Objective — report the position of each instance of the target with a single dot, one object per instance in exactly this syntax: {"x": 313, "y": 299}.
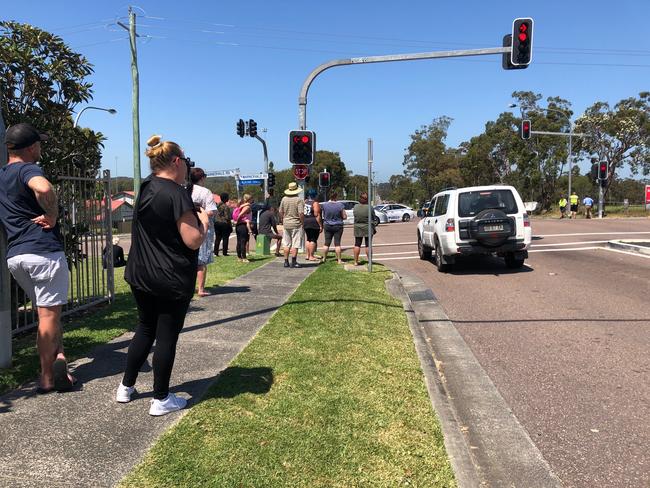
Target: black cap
{"x": 22, "y": 135}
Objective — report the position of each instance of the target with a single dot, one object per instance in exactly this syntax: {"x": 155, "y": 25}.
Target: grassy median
{"x": 99, "y": 325}
{"x": 329, "y": 394}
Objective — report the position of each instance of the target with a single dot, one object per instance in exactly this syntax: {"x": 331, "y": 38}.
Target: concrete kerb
{"x": 485, "y": 442}
{"x": 638, "y": 246}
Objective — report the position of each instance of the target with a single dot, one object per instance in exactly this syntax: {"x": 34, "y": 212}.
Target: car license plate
{"x": 493, "y": 228}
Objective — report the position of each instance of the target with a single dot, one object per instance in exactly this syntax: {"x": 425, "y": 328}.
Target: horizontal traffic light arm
{"x": 302, "y": 99}
{"x": 546, "y": 133}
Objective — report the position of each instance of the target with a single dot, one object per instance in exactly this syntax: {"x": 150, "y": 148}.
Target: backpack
{"x": 223, "y": 214}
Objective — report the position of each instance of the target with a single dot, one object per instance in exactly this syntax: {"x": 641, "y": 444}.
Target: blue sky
{"x": 207, "y": 64}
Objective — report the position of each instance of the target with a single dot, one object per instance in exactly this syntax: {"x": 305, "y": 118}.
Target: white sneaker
{"x": 123, "y": 394}
{"x": 168, "y": 405}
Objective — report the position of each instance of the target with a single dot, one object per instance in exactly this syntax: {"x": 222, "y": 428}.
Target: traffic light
{"x": 522, "y": 42}
{"x": 324, "y": 179}
{"x": 602, "y": 173}
{"x": 252, "y": 128}
{"x": 271, "y": 180}
{"x": 525, "y": 129}
{"x": 302, "y": 146}
{"x": 240, "y": 128}
{"x": 505, "y": 57}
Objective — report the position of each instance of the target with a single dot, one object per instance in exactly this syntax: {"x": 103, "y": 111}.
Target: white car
{"x": 397, "y": 212}
{"x": 349, "y": 205}
{"x": 475, "y": 220}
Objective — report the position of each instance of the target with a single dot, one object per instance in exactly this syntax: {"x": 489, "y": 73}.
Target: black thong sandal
{"x": 61, "y": 380}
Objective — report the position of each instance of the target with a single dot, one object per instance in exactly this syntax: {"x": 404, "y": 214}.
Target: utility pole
{"x": 370, "y": 206}
{"x": 266, "y": 164}
{"x": 5, "y": 280}
{"x": 136, "y": 100}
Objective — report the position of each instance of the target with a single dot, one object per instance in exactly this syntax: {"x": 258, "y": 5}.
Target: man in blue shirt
{"x": 588, "y": 203}
{"x": 35, "y": 257}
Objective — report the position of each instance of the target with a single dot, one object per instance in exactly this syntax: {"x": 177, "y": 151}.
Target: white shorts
{"x": 43, "y": 277}
{"x": 291, "y": 238}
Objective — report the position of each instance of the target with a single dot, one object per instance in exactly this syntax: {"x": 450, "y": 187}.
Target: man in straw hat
{"x": 292, "y": 209}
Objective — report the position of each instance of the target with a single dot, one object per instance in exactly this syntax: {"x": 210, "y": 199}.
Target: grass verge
{"x": 329, "y": 394}
{"x": 99, "y": 325}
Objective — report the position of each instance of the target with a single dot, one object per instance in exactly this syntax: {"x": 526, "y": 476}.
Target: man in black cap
{"x": 35, "y": 257}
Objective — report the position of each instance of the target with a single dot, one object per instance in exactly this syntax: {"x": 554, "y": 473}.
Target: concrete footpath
{"x": 84, "y": 438}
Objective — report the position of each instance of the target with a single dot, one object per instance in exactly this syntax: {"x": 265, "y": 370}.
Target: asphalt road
{"x": 565, "y": 340}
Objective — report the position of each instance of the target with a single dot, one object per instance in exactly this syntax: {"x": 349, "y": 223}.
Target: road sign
{"x": 223, "y": 172}
{"x": 300, "y": 171}
{"x": 251, "y": 182}
{"x": 647, "y": 197}
{"x": 253, "y": 176}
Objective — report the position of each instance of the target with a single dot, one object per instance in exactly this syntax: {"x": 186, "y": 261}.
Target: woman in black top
{"x": 167, "y": 233}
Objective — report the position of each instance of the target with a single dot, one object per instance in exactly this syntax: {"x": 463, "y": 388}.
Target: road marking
{"x": 627, "y": 252}
{"x": 395, "y": 259}
{"x": 570, "y": 249}
{"x": 394, "y": 253}
{"x": 395, "y": 244}
{"x": 591, "y": 234}
{"x": 569, "y": 243}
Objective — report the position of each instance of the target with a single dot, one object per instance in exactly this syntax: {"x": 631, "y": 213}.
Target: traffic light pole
{"x": 266, "y": 166}
{"x": 370, "y": 208}
{"x": 601, "y": 198}
{"x": 302, "y": 99}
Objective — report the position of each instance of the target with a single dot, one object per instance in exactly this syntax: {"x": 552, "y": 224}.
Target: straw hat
{"x": 293, "y": 189}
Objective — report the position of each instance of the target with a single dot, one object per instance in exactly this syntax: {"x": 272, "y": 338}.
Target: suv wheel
{"x": 440, "y": 264}
{"x": 406, "y": 217}
{"x": 423, "y": 250}
{"x": 492, "y": 227}
{"x": 513, "y": 262}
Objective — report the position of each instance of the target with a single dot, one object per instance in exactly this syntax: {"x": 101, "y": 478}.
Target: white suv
{"x": 475, "y": 220}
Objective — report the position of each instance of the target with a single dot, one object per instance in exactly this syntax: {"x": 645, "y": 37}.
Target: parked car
{"x": 348, "y": 205}
{"x": 475, "y": 220}
{"x": 397, "y": 212}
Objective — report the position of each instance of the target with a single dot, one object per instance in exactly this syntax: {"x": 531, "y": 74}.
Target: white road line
{"x": 592, "y": 234}
{"x": 395, "y": 259}
{"x": 569, "y": 243}
{"x": 570, "y": 249}
{"x": 627, "y": 252}
{"x": 395, "y": 244}
{"x": 393, "y": 253}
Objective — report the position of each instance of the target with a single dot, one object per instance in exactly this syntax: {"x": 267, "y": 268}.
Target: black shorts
{"x": 312, "y": 235}
{"x": 333, "y": 232}
{"x": 574, "y": 208}
{"x": 359, "y": 240}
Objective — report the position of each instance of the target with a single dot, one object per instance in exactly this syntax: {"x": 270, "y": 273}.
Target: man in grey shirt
{"x": 292, "y": 209}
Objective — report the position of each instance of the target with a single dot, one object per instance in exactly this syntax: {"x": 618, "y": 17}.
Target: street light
{"x": 568, "y": 117}
{"x": 111, "y": 111}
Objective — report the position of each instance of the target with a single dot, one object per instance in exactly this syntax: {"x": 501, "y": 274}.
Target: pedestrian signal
{"x": 324, "y": 179}
{"x": 525, "y": 129}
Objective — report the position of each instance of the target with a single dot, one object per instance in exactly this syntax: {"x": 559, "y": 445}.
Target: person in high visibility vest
{"x": 573, "y": 199}
{"x": 562, "y": 203}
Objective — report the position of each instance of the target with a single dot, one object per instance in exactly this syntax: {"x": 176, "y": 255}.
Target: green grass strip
{"x": 329, "y": 394}
{"x": 97, "y": 326}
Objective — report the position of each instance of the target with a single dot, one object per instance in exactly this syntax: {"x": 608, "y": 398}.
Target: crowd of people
{"x": 175, "y": 235}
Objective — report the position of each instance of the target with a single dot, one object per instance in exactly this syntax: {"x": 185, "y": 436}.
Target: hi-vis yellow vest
{"x": 574, "y": 199}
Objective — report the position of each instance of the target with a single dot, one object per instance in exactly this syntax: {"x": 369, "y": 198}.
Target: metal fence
{"x": 85, "y": 221}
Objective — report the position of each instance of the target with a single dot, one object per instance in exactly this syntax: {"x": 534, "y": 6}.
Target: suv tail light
{"x": 449, "y": 225}
{"x": 526, "y": 220}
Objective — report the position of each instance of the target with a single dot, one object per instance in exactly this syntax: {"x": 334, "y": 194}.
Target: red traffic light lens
{"x": 305, "y": 139}
{"x": 526, "y": 126}
{"x": 523, "y": 27}
{"x": 523, "y": 37}
{"x": 603, "y": 167}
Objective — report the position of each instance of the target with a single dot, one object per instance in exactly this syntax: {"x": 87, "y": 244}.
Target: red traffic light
{"x": 603, "y": 167}
{"x": 523, "y": 27}
{"x": 523, "y": 37}
{"x": 305, "y": 139}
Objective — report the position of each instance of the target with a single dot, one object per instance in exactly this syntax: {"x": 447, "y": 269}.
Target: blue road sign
{"x": 250, "y": 182}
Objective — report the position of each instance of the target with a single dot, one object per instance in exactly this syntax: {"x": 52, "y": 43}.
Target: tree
{"x": 618, "y": 136}
{"x": 41, "y": 81}
{"x": 427, "y": 159}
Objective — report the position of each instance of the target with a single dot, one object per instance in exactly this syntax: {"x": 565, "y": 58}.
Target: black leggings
{"x": 242, "y": 240}
{"x": 359, "y": 240}
{"x": 222, "y": 231}
{"x": 162, "y": 321}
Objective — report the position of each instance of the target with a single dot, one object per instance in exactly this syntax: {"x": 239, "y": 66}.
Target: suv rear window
{"x": 472, "y": 202}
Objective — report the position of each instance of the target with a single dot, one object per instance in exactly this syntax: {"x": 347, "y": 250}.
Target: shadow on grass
{"x": 235, "y": 380}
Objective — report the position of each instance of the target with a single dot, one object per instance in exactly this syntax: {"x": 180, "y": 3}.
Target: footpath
{"x": 84, "y": 438}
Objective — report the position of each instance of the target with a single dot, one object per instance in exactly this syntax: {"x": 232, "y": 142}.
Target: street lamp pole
{"x": 111, "y": 111}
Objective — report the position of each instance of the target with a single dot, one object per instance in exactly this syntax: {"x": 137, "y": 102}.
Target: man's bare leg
{"x": 49, "y": 342}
